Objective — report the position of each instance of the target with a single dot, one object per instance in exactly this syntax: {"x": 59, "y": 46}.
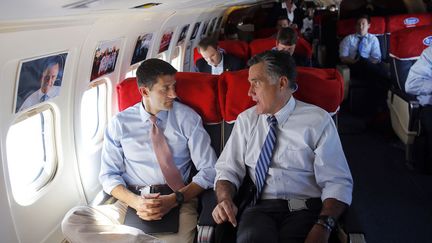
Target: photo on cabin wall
{"x": 195, "y": 30}
{"x": 141, "y": 48}
{"x": 39, "y": 80}
{"x": 182, "y": 35}
{"x": 165, "y": 40}
{"x": 105, "y": 58}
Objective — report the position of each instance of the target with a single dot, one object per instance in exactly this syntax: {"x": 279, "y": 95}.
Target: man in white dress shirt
{"x": 47, "y": 89}
{"x": 307, "y": 184}
{"x": 419, "y": 83}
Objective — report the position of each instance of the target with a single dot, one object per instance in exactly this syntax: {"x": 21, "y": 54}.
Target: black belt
{"x": 293, "y": 204}
{"x": 162, "y": 189}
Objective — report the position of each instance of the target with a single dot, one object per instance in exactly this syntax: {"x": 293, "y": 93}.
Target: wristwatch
{"x": 179, "y": 198}
{"x": 326, "y": 221}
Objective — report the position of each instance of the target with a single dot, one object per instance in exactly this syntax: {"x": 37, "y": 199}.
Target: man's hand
{"x": 154, "y": 206}
{"x": 318, "y": 234}
{"x": 226, "y": 210}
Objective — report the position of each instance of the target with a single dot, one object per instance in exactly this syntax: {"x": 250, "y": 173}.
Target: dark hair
{"x": 149, "y": 70}
{"x": 277, "y": 64}
{"x": 364, "y": 16}
{"x": 287, "y": 36}
{"x": 283, "y": 17}
{"x": 206, "y": 42}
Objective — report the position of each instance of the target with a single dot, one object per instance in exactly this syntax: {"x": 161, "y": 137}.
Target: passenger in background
{"x": 150, "y": 145}
{"x": 286, "y": 40}
{"x": 419, "y": 83}
{"x": 361, "y": 52}
{"x": 47, "y": 89}
{"x": 231, "y": 32}
{"x": 307, "y": 29}
{"x": 215, "y": 60}
{"x": 283, "y": 22}
{"x": 302, "y": 179}
{"x": 294, "y": 14}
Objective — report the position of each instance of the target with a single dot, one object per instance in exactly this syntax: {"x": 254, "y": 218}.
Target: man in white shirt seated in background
{"x": 149, "y": 146}
{"x": 214, "y": 60}
{"x": 419, "y": 83}
{"x": 292, "y": 153}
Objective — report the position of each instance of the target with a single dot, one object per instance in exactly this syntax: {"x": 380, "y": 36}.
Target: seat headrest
{"x": 403, "y": 21}
{"x": 348, "y": 26}
{"x": 233, "y": 94}
{"x": 127, "y": 93}
{"x": 197, "y": 90}
{"x": 200, "y": 92}
{"x": 409, "y": 43}
{"x": 321, "y": 87}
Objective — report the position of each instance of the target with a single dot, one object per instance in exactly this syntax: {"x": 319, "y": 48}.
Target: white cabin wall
{"x": 34, "y": 222}
{"x": 76, "y": 179}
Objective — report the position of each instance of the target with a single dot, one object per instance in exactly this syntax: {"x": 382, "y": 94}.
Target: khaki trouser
{"x": 103, "y": 224}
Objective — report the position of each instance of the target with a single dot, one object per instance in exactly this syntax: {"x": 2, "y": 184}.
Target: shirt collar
{"x": 220, "y": 65}
{"x": 145, "y": 116}
{"x": 283, "y": 114}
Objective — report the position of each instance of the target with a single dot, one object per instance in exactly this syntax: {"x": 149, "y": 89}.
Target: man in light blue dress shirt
{"x": 361, "y": 51}
{"x": 308, "y": 184}
{"x": 128, "y": 161}
{"x": 419, "y": 83}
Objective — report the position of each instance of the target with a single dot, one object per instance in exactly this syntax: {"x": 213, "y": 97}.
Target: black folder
{"x": 168, "y": 224}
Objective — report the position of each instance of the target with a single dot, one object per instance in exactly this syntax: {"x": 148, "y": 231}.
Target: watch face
{"x": 329, "y": 220}
{"x": 179, "y": 197}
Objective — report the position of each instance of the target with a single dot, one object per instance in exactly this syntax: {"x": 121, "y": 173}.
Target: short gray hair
{"x": 277, "y": 64}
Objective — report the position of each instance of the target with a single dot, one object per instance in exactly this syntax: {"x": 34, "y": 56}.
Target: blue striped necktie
{"x": 265, "y": 157}
{"x": 360, "y": 46}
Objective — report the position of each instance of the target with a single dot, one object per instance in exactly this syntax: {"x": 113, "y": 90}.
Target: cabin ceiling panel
{"x": 30, "y": 9}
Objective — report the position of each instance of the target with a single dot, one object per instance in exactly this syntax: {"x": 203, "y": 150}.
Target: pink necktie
{"x": 165, "y": 158}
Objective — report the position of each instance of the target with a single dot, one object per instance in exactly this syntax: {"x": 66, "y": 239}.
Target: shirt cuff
{"x": 110, "y": 185}
{"x": 204, "y": 178}
{"x": 227, "y": 177}
{"x": 340, "y": 192}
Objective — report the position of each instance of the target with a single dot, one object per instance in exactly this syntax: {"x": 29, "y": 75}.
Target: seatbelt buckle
{"x": 296, "y": 204}
{"x": 145, "y": 190}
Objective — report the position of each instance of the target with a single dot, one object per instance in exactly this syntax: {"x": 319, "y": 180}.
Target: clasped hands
{"x": 154, "y": 206}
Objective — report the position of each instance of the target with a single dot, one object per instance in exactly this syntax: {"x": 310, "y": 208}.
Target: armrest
{"x": 345, "y": 72}
{"x": 350, "y": 228}
{"x": 207, "y": 203}
{"x": 413, "y": 107}
{"x": 103, "y": 198}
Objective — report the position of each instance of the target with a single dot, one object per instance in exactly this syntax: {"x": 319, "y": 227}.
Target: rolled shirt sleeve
{"x": 231, "y": 163}
{"x": 112, "y": 164}
{"x": 332, "y": 173}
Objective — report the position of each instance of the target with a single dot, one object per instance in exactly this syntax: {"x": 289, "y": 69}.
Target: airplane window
{"x": 131, "y": 73}
{"x": 176, "y": 58}
{"x": 162, "y": 56}
{"x": 94, "y": 112}
{"x": 31, "y": 155}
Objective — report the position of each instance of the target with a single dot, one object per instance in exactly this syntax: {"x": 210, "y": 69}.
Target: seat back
{"x": 378, "y": 27}
{"x": 303, "y": 48}
{"x": 403, "y": 21}
{"x": 264, "y": 33}
{"x": 320, "y": 87}
{"x": 406, "y": 46}
{"x": 236, "y": 48}
{"x": 127, "y": 93}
